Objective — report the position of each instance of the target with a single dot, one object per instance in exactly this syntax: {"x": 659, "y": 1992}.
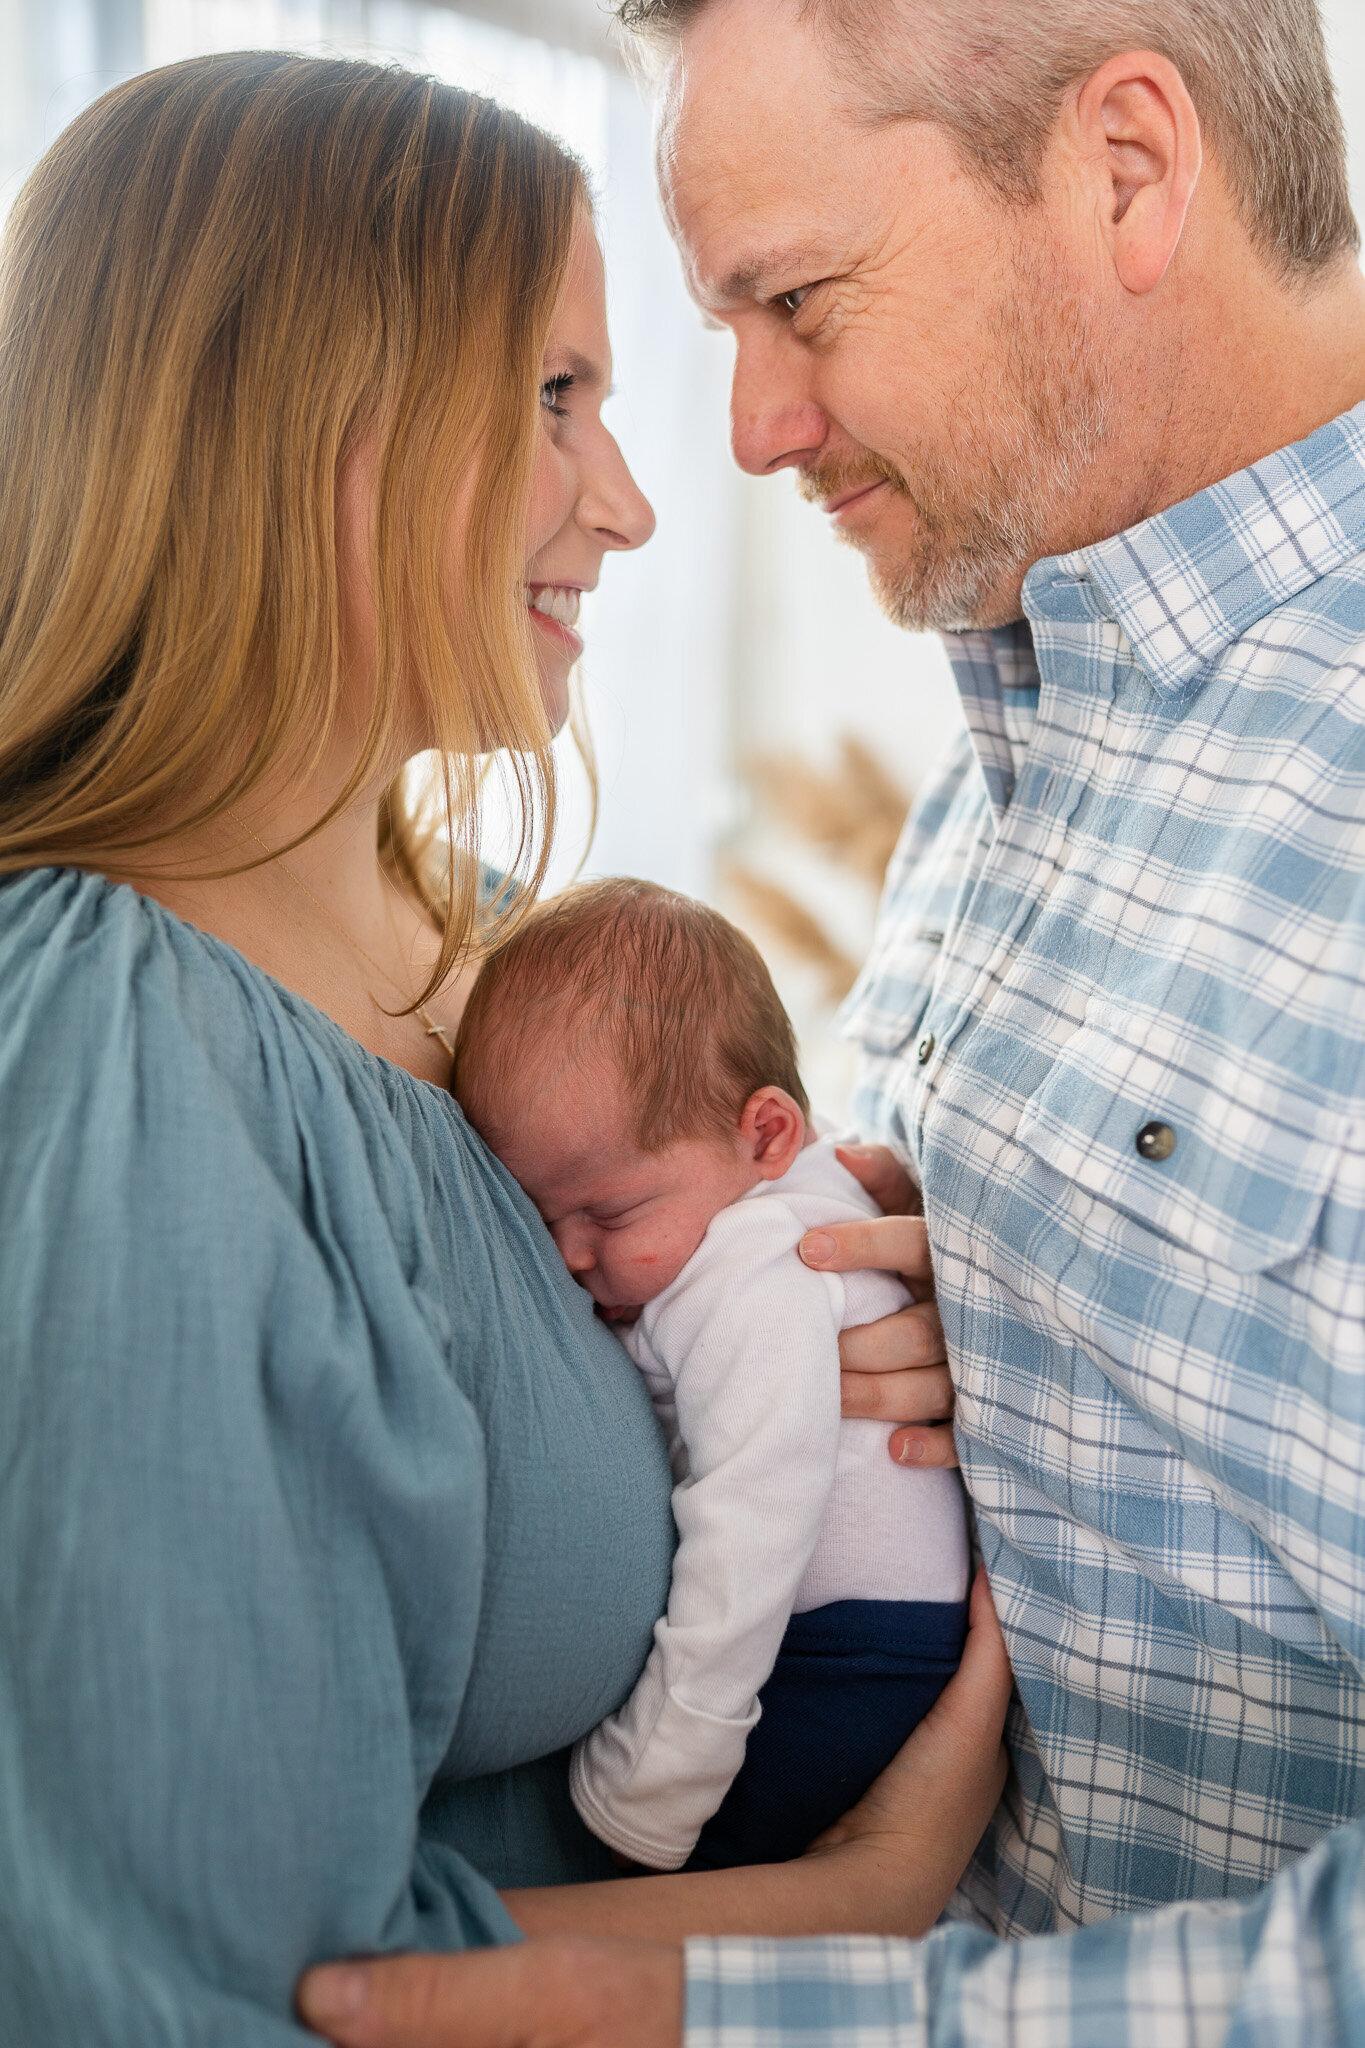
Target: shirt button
{"x": 925, "y": 1050}
{"x": 1155, "y": 1141}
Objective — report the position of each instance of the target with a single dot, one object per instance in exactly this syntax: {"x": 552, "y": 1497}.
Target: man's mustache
{"x": 818, "y": 481}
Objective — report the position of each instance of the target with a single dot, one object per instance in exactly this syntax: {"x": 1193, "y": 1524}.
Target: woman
{"x": 329, "y": 1515}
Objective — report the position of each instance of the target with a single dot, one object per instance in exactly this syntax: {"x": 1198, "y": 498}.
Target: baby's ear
{"x": 773, "y": 1128}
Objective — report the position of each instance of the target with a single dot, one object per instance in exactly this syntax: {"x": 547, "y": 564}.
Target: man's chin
{"x": 947, "y": 598}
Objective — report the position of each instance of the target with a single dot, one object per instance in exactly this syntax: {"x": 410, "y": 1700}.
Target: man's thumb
{"x": 410, "y": 2001}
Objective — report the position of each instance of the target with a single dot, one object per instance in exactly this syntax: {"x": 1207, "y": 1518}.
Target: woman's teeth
{"x": 556, "y": 602}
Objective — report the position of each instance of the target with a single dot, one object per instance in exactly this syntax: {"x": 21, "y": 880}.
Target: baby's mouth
{"x": 618, "y": 1312}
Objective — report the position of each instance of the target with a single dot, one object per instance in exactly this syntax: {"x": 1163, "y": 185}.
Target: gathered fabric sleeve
{"x": 750, "y": 1340}
{"x": 1284, "y": 1968}
{"x": 241, "y": 1547}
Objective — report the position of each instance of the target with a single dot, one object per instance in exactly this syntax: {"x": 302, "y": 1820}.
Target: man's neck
{"x": 1260, "y": 370}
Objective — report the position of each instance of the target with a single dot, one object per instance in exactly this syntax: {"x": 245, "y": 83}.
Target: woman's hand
{"x": 916, "y": 1826}
{"x": 895, "y": 1370}
{"x": 889, "y": 1867}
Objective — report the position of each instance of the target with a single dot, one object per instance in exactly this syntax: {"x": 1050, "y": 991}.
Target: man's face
{"x": 931, "y": 361}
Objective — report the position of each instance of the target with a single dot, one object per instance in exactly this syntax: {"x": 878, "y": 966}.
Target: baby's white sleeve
{"x": 751, "y": 1338}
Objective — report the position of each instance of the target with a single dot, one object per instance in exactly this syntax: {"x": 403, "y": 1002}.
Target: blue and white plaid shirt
{"x": 1115, "y": 1015}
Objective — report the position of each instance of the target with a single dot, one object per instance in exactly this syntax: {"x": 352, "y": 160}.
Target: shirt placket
{"x": 1079, "y": 648}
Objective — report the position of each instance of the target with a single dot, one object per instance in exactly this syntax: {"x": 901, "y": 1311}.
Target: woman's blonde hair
{"x": 218, "y": 280}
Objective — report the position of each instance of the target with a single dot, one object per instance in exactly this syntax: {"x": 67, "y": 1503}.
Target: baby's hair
{"x": 675, "y": 997}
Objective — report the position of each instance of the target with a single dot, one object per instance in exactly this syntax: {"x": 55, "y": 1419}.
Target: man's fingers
{"x": 892, "y": 1244}
{"x": 911, "y": 1338}
{"x": 921, "y": 1449}
{"x": 563, "y": 1991}
{"x": 877, "y": 1168}
{"x": 922, "y": 1396}
{"x": 418, "y": 2001}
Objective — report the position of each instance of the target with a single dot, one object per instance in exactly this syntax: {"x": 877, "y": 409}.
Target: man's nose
{"x": 774, "y": 424}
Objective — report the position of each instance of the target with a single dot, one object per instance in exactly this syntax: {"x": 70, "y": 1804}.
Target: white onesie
{"x": 781, "y": 1507}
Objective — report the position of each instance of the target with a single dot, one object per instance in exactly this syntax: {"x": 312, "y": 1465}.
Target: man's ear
{"x": 773, "y": 1127}
{"x": 1138, "y": 129}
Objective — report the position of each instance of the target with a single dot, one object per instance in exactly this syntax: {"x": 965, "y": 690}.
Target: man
{"x": 1054, "y": 308}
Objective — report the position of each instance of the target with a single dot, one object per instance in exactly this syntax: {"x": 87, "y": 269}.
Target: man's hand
{"x": 895, "y": 1370}
{"x": 563, "y": 1991}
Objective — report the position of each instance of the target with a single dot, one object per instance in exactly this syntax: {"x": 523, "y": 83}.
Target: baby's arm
{"x": 751, "y": 1337}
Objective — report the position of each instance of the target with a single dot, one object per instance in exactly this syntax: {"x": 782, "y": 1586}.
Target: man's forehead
{"x": 749, "y": 180}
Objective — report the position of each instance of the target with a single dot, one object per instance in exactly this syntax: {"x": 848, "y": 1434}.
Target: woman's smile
{"x": 554, "y": 608}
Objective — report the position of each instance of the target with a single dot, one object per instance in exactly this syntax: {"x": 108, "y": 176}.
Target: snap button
{"x": 925, "y": 1050}
{"x": 1155, "y": 1141}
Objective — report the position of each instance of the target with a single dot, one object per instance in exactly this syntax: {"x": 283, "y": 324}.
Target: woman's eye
{"x": 552, "y": 390}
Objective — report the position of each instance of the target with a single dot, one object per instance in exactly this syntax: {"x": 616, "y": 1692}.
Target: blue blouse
{"x": 329, "y": 1515}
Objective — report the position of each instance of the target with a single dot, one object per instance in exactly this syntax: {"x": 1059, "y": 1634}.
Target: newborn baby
{"x": 626, "y": 1057}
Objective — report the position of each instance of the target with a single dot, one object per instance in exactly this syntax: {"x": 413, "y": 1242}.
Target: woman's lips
{"x": 554, "y": 608}
{"x": 563, "y": 636}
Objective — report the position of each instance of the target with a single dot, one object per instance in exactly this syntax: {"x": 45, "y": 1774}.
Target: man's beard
{"x": 994, "y": 498}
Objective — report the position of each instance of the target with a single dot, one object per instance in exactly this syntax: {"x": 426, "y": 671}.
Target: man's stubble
{"x": 1000, "y": 490}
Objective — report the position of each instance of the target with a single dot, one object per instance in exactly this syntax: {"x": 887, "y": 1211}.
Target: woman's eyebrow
{"x": 583, "y": 370}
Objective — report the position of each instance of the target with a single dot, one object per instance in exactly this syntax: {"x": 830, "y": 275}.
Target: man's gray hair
{"x": 995, "y": 74}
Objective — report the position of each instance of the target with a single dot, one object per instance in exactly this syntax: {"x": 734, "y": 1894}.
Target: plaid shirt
{"x": 1113, "y": 1016}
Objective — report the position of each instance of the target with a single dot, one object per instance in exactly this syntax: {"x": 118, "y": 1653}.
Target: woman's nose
{"x": 615, "y": 510}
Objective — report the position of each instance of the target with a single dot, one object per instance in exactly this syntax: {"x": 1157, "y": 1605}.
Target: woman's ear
{"x": 1139, "y": 130}
{"x": 772, "y": 1128}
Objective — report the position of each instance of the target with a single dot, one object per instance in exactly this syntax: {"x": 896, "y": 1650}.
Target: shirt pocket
{"x": 888, "y": 1001}
{"x": 1254, "y": 1154}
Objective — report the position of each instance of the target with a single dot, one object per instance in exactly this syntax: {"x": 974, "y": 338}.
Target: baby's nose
{"x": 576, "y": 1253}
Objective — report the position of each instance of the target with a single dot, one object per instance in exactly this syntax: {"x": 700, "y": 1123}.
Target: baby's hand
{"x": 895, "y": 1370}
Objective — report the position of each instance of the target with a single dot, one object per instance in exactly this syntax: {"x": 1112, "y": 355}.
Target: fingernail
{"x": 334, "y": 1993}
{"x": 816, "y": 1248}
{"x": 911, "y": 1451}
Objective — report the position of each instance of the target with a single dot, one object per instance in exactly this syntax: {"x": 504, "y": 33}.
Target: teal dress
{"x": 329, "y": 1516}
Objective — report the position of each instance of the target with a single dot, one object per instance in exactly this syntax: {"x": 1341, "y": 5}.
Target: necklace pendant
{"x": 436, "y": 1031}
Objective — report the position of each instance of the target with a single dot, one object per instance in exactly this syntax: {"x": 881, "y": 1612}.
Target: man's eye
{"x": 796, "y": 298}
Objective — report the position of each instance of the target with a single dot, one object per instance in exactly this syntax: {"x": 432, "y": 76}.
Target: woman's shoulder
{"x": 128, "y": 1032}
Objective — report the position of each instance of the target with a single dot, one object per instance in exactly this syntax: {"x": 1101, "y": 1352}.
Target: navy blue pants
{"x": 850, "y": 1682}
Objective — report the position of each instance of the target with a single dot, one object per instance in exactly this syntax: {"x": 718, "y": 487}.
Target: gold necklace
{"x": 433, "y": 1030}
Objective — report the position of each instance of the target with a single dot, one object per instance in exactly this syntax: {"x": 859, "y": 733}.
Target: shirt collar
{"x": 1188, "y": 583}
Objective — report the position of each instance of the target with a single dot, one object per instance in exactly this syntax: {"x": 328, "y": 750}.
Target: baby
{"x": 628, "y": 1060}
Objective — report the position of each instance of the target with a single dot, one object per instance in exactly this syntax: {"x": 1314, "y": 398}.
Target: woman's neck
{"x": 323, "y": 918}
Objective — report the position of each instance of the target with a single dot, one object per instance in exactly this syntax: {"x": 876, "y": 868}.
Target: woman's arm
{"x": 238, "y": 1523}
{"x": 890, "y": 1865}
{"x": 887, "y": 1868}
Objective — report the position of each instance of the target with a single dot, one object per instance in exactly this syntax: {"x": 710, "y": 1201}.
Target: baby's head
{"x": 627, "y": 1058}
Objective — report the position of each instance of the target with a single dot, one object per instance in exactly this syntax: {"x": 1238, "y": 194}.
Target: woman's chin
{"x": 554, "y": 695}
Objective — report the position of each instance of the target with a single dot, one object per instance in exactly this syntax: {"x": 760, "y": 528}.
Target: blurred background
{"x": 760, "y": 728}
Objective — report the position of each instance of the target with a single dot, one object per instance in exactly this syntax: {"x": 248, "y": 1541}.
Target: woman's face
{"x": 584, "y": 501}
